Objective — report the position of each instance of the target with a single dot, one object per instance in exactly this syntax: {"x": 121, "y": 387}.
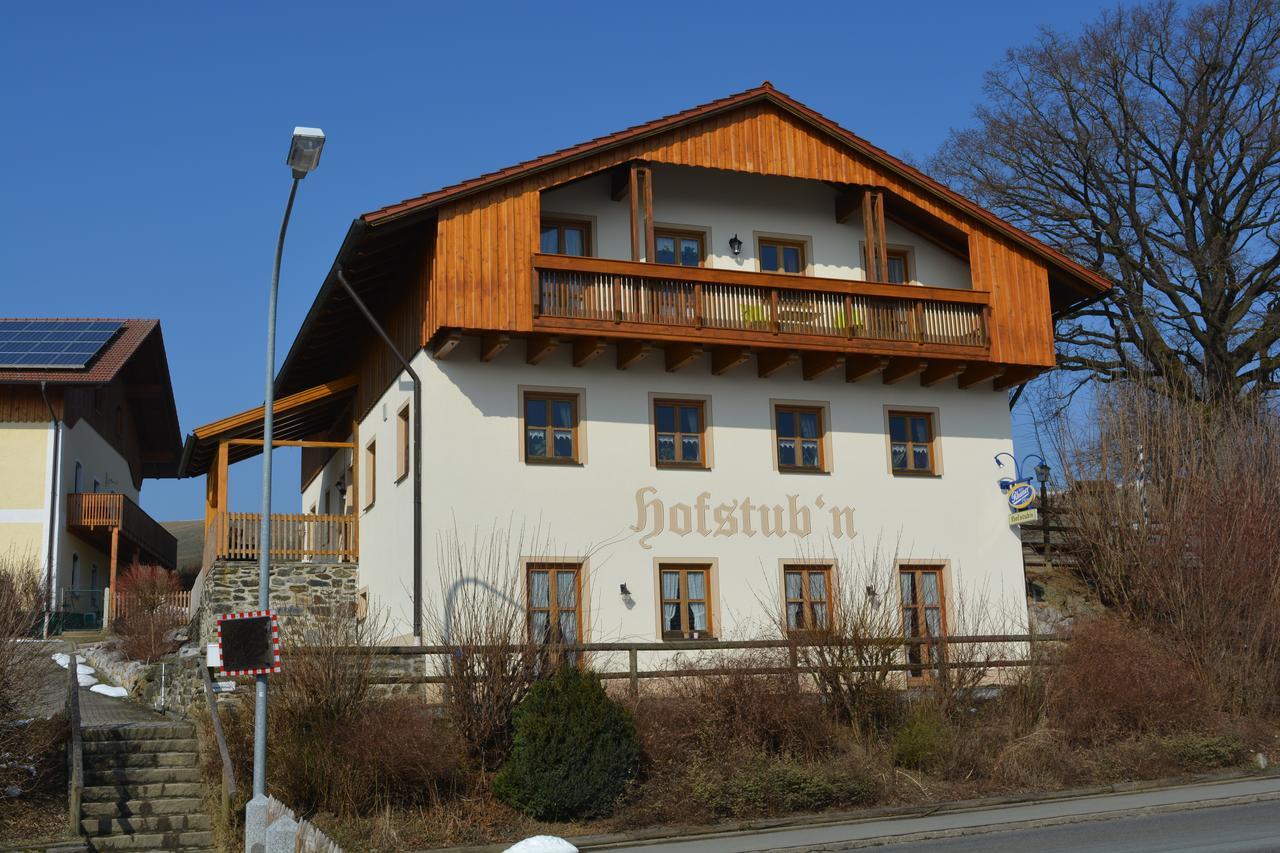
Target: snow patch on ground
{"x": 108, "y": 690}
{"x": 542, "y": 844}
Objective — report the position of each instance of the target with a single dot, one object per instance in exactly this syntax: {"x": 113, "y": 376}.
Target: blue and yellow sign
{"x": 1021, "y": 495}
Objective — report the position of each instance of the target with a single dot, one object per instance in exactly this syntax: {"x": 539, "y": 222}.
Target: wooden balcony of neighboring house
{"x": 119, "y": 527}
{"x": 737, "y": 309}
{"x": 295, "y": 537}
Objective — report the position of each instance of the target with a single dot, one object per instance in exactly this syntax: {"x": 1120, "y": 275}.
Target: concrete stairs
{"x": 143, "y": 790}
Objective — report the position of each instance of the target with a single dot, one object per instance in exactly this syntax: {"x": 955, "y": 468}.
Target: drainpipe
{"x": 417, "y": 450}
{"x": 54, "y": 472}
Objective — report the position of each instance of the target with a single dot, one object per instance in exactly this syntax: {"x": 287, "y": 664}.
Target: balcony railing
{"x": 294, "y": 537}
{"x": 106, "y": 510}
{"x": 624, "y": 292}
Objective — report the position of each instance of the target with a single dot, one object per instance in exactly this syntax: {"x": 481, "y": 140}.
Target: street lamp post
{"x": 304, "y": 156}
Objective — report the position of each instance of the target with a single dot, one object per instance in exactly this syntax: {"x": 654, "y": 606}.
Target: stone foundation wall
{"x": 300, "y": 592}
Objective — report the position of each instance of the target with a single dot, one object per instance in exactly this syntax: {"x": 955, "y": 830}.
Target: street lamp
{"x": 304, "y": 156}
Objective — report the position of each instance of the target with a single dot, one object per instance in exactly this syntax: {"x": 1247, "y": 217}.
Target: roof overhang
{"x": 296, "y": 417}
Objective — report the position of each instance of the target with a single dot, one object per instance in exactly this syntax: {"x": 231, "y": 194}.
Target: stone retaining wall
{"x": 300, "y": 593}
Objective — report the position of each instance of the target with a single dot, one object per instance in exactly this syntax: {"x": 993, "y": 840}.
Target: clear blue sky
{"x": 143, "y": 143}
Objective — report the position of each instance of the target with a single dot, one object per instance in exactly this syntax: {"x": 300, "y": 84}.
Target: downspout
{"x": 54, "y": 474}
{"x": 417, "y": 450}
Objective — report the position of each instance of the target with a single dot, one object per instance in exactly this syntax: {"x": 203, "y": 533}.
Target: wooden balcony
{"x": 628, "y": 299}
{"x": 106, "y": 518}
{"x": 295, "y": 537}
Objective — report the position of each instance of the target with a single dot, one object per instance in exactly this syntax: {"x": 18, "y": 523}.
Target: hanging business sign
{"x": 1026, "y": 516}
{"x": 1021, "y": 495}
{"x": 249, "y": 643}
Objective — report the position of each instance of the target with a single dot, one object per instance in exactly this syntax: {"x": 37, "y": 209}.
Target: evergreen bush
{"x": 574, "y": 750}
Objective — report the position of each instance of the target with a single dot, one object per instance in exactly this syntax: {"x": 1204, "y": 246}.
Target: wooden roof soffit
{"x": 902, "y": 368}
{"x": 978, "y": 372}
{"x": 254, "y": 416}
{"x": 937, "y": 371}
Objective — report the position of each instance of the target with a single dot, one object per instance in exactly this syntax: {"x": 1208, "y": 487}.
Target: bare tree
{"x": 1148, "y": 149}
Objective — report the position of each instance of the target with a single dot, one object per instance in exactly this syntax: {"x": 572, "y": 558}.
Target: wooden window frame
{"x": 562, "y": 222}
{"x": 922, "y": 671}
{"x": 780, "y": 243}
{"x": 681, "y": 234}
{"x": 404, "y": 451}
{"x": 553, "y": 607}
{"x": 823, "y": 466}
{"x": 806, "y": 600}
{"x": 370, "y": 473}
{"x": 703, "y": 461}
{"x": 905, "y": 255}
{"x": 682, "y": 602}
{"x": 930, "y": 417}
{"x": 574, "y": 398}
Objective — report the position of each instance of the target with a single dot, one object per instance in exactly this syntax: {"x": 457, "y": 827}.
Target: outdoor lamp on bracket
{"x": 735, "y": 245}
{"x": 1042, "y": 472}
{"x": 304, "y": 150}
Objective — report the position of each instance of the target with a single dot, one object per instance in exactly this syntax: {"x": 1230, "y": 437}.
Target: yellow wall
{"x": 24, "y": 462}
{"x": 21, "y": 543}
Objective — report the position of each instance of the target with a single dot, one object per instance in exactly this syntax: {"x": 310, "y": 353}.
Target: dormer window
{"x": 565, "y": 237}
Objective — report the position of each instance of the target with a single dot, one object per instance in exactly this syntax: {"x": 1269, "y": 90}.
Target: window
{"x": 799, "y": 438}
{"x": 555, "y": 604}
{"x": 76, "y": 477}
{"x": 679, "y": 428}
{"x": 370, "y": 473}
{"x": 550, "y": 428}
{"x": 97, "y": 486}
{"x": 678, "y": 247}
{"x": 781, "y": 256}
{"x": 899, "y": 271}
{"x": 922, "y": 615}
{"x": 402, "y": 443}
{"x": 808, "y": 594}
{"x": 75, "y": 571}
{"x": 686, "y": 605}
{"x": 911, "y": 443}
{"x": 565, "y": 237}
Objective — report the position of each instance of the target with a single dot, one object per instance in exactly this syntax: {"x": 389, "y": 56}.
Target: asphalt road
{"x": 1225, "y": 817}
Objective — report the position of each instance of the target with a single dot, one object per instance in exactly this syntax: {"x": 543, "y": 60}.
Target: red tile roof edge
{"x": 765, "y": 91}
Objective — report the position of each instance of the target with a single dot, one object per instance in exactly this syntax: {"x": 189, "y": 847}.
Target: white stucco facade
{"x": 722, "y": 204}
{"x": 623, "y": 516}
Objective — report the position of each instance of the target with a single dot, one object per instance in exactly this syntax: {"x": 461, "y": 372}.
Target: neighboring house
{"x": 86, "y": 414}
{"x": 706, "y": 358}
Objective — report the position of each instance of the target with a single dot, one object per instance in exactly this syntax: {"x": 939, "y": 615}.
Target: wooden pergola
{"x": 212, "y": 449}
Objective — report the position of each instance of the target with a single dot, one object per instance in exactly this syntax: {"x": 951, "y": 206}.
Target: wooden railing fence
{"x": 294, "y": 536}
{"x": 623, "y": 292}
{"x": 228, "y": 792}
{"x": 112, "y": 509}
{"x": 125, "y": 604}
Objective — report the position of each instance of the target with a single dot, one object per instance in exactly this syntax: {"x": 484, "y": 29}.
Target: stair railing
{"x": 75, "y": 748}
{"x": 228, "y": 771}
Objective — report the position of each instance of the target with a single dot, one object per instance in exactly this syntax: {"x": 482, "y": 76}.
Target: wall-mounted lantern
{"x": 735, "y": 245}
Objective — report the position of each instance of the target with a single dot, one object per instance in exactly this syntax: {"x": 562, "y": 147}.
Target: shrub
{"x": 1199, "y": 752}
{"x": 573, "y": 753}
{"x": 919, "y": 742}
{"x": 1116, "y": 679}
{"x": 145, "y": 633}
{"x": 753, "y": 784}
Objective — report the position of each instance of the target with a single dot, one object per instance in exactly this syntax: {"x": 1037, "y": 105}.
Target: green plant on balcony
{"x": 755, "y": 317}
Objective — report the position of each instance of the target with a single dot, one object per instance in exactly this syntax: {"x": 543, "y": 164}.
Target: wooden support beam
{"x": 586, "y": 349}
{"x": 680, "y": 355}
{"x": 847, "y": 202}
{"x": 620, "y": 182}
{"x": 814, "y": 364}
{"x": 538, "y": 347}
{"x": 937, "y": 371}
{"x": 978, "y": 372}
{"x": 861, "y": 366}
{"x": 724, "y": 359}
{"x": 445, "y": 344}
{"x": 770, "y": 361}
{"x": 902, "y": 368}
{"x": 492, "y": 343}
{"x": 632, "y": 352}
{"x": 1016, "y": 376}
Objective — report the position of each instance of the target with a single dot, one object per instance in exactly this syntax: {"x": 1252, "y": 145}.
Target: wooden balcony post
{"x": 918, "y": 313}
{"x": 115, "y": 558}
{"x": 848, "y": 315}
{"x": 537, "y": 293}
{"x": 773, "y": 310}
{"x": 617, "y": 299}
{"x": 697, "y": 305}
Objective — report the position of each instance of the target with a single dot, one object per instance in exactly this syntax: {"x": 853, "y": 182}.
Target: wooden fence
{"x": 175, "y": 604}
{"x": 294, "y": 536}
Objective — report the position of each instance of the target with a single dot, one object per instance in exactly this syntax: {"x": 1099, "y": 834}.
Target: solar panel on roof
{"x": 66, "y": 344}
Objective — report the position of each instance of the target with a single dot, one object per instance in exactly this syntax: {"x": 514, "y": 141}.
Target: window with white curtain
{"x": 686, "y": 602}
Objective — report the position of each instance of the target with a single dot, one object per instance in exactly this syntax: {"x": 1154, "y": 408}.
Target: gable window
{"x": 683, "y": 248}
{"x": 799, "y": 436}
{"x": 565, "y": 237}
{"x": 402, "y": 443}
{"x": 911, "y": 448}
{"x": 551, "y": 428}
{"x": 370, "y": 473}
{"x": 922, "y": 616}
{"x": 679, "y": 428}
{"x": 808, "y": 597}
{"x": 899, "y": 271}
{"x": 781, "y": 256}
{"x": 686, "y": 605}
